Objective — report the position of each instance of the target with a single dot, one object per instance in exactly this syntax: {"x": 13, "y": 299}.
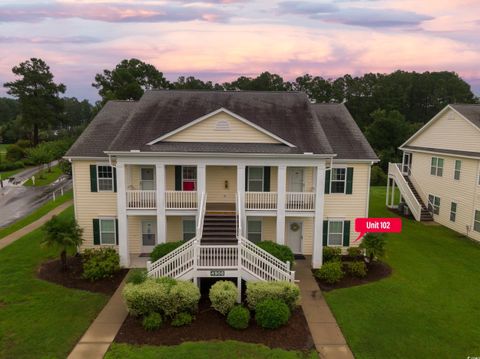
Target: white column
{"x": 282, "y": 193}
{"x": 388, "y": 192}
{"x": 161, "y": 217}
{"x": 393, "y": 193}
{"x": 201, "y": 181}
{"x": 122, "y": 216}
{"x": 318, "y": 219}
{"x": 241, "y": 190}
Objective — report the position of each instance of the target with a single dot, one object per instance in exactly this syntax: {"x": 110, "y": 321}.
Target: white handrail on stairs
{"x": 413, "y": 179}
{"x": 412, "y": 202}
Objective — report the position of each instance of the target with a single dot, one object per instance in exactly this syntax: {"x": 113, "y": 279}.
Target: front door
{"x": 147, "y": 179}
{"x": 407, "y": 163}
{"x": 295, "y": 236}
{"x": 149, "y": 235}
{"x": 295, "y": 179}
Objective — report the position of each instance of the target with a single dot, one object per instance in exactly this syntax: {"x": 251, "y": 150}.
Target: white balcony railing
{"x": 261, "y": 200}
{"x": 181, "y": 200}
{"x": 300, "y": 201}
{"x": 138, "y": 199}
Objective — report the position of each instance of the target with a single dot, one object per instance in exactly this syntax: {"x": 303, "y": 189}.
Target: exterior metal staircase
{"x": 425, "y": 214}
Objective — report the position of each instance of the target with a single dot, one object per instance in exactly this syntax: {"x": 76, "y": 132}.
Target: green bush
{"x": 330, "y": 272}
{"x": 152, "y": 321}
{"x": 165, "y": 296}
{"x": 23, "y": 143}
{"x": 100, "y": 263}
{"x": 15, "y": 153}
{"x": 9, "y": 166}
{"x": 137, "y": 276}
{"x": 374, "y": 245}
{"x": 272, "y": 314}
{"x": 238, "y": 317}
{"x": 284, "y": 253}
{"x": 331, "y": 254}
{"x": 163, "y": 249}
{"x": 287, "y": 292}
{"x": 182, "y": 319}
{"x": 356, "y": 268}
{"x": 378, "y": 177}
{"x": 223, "y": 295}
{"x": 354, "y": 251}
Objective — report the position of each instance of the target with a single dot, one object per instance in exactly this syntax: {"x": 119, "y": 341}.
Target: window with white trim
{"x": 457, "y": 170}
{"x": 338, "y": 180}
{"x": 335, "y": 233}
{"x": 254, "y": 230}
{"x": 255, "y": 179}
{"x": 434, "y": 204}
{"x": 453, "y": 212}
{"x": 476, "y": 222}
{"x": 189, "y": 178}
{"x": 105, "y": 178}
{"x": 436, "y": 168}
{"x": 189, "y": 228}
{"x": 148, "y": 233}
{"x": 108, "y": 233}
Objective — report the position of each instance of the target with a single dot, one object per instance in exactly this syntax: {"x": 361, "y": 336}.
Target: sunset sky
{"x": 220, "y": 40}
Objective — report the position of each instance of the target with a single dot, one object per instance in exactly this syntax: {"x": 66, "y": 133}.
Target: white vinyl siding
{"x": 105, "y": 178}
{"x": 457, "y": 170}
{"x": 338, "y": 181}
{"x": 436, "y": 168}
{"x": 335, "y": 233}
{"x": 453, "y": 212}
{"x": 107, "y": 231}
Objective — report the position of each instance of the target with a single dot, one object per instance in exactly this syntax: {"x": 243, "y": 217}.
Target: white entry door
{"x": 149, "y": 235}
{"x": 147, "y": 179}
{"x": 295, "y": 179}
{"x": 295, "y": 236}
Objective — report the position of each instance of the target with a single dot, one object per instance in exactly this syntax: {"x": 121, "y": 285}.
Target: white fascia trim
{"x": 85, "y": 158}
{"x": 208, "y": 115}
{"x": 440, "y": 154}
{"x": 355, "y": 161}
{"x": 216, "y": 154}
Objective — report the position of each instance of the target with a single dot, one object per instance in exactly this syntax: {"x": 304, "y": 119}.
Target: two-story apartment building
{"x": 219, "y": 167}
{"x": 439, "y": 177}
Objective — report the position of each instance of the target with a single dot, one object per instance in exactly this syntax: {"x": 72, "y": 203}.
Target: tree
{"x": 263, "y": 82}
{"x": 41, "y": 155}
{"x": 374, "y": 245}
{"x": 76, "y": 113}
{"x": 192, "y": 83}
{"x": 128, "y": 81}
{"x": 38, "y": 95}
{"x": 317, "y": 88}
{"x": 64, "y": 234}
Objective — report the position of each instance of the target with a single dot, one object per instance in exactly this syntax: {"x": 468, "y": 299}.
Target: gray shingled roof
{"x": 100, "y": 133}
{"x": 224, "y": 147}
{"x": 345, "y": 137}
{"x": 470, "y": 111}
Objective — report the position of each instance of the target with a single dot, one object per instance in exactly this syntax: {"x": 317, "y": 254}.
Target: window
{"x": 437, "y": 167}
{"x": 338, "y": 180}
{"x": 105, "y": 178}
{"x": 476, "y": 222}
{"x": 335, "y": 233}
{"x": 148, "y": 233}
{"x": 189, "y": 178}
{"x": 107, "y": 231}
{"x": 453, "y": 211}
{"x": 255, "y": 179}
{"x": 458, "y": 168}
{"x": 254, "y": 228}
{"x": 189, "y": 228}
{"x": 434, "y": 204}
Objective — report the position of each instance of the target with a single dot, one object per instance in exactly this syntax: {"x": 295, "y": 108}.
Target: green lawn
{"x": 3, "y": 151}
{"x": 39, "y": 319}
{"x": 428, "y": 308}
{"x": 32, "y": 217}
{"x": 204, "y": 350}
{"x": 44, "y": 177}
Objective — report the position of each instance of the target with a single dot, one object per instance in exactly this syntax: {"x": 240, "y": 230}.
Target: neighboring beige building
{"x": 439, "y": 178}
{"x": 221, "y": 168}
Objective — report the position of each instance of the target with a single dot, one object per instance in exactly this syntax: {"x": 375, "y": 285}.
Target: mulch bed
{"x": 52, "y": 271}
{"x": 211, "y": 325}
{"x": 376, "y": 271}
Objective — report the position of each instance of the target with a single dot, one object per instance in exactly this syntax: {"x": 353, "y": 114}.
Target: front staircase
{"x": 425, "y": 214}
{"x": 219, "y": 229}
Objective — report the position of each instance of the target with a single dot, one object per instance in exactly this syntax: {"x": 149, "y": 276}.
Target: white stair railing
{"x": 414, "y": 205}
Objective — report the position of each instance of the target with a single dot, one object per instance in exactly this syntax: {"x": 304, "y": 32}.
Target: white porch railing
{"x": 261, "y": 200}
{"x": 181, "y": 200}
{"x": 300, "y": 201}
{"x": 212, "y": 256}
{"x": 395, "y": 172}
{"x": 139, "y": 199}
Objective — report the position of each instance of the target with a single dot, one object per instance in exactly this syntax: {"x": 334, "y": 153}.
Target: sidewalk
{"x": 34, "y": 225}
{"x": 327, "y": 336}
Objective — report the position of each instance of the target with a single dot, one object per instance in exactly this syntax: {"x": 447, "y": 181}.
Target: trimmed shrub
{"x": 9, "y": 166}
{"x": 281, "y": 252}
{"x": 238, "y": 317}
{"x": 182, "y": 319}
{"x": 100, "y": 263}
{"x": 287, "y": 292}
{"x": 330, "y": 272}
{"x": 137, "y": 276}
{"x": 152, "y": 321}
{"x": 374, "y": 245}
{"x": 356, "y": 268}
{"x": 272, "y": 314}
{"x": 163, "y": 249}
{"x": 15, "y": 153}
{"x": 183, "y": 297}
{"x": 331, "y": 254}
{"x": 354, "y": 252}
{"x": 223, "y": 295}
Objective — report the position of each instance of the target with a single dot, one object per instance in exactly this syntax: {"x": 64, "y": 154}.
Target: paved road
{"x": 24, "y": 175}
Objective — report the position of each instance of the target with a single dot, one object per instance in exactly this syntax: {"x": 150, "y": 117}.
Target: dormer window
{"x": 222, "y": 125}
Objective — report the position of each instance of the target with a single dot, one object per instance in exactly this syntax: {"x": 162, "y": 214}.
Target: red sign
{"x": 376, "y": 225}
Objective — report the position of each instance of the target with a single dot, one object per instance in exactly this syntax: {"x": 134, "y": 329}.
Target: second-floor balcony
{"x": 147, "y": 199}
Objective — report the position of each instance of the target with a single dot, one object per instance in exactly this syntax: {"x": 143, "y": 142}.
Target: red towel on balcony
{"x": 189, "y": 185}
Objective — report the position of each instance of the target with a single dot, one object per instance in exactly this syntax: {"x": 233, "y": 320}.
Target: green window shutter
{"x": 116, "y": 231}
{"x": 346, "y": 233}
{"x": 114, "y": 179}
{"x": 246, "y": 178}
{"x": 349, "y": 180}
{"x": 325, "y": 233}
{"x": 327, "y": 181}
{"x": 93, "y": 178}
{"x": 266, "y": 179}
{"x": 96, "y": 231}
{"x": 178, "y": 178}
